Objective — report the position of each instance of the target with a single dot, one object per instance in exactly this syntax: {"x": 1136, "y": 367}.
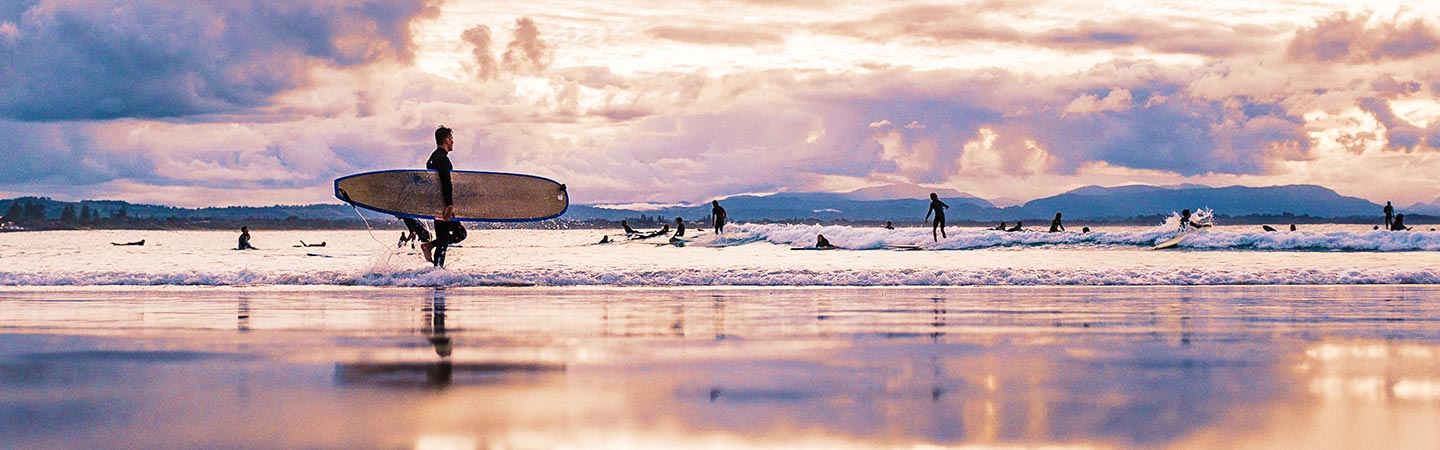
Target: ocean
{"x": 1327, "y": 337}
{"x": 746, "y": 255}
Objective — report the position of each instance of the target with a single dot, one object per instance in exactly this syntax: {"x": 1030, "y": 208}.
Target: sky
{"x": 254, "y": 102}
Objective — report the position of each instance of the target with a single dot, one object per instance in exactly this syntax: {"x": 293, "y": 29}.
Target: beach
{"x": 1325, "y": 338}
{"x": 730, "y": 367}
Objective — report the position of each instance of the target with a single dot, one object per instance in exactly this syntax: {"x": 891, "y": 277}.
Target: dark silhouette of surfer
{"x": 1292, "y": 227}
{"x": 1399, "y": 224}
{"x": 1268, "y": 229}
{"x": 244, "y": 243}
{"x": 447, "y": 230}
{"x": 679, "y": 227}
{"x": 1389, "y": 216}
{"x": 1055, "y": 225}
{"x": 1000, "y": 227}
{"x": 889, "y": 226}
{"x": 821, "y": 242}
{"x": 1185, "y": 222}
{"x": 135, "y": 243}
{"x": 303, "y": 244}
{"x": 626, "y": 226}
{"x": 1018, "y": 227}
{"x": 938, "y": 207}
{"x": 719, "y": 213}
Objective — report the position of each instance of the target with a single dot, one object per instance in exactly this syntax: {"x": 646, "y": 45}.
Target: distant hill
{"x": 1086, "y": 203}
{"x": 1090, "y": 202}
{"x": 1129, "y": 201}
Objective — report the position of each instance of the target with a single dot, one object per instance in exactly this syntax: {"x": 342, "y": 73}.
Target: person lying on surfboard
{"x": 821, "y": 242}
{"x": 626, "y": 226}
{"x": 447, "y": 230}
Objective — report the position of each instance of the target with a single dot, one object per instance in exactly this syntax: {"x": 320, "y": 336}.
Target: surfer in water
{"x": 821, "y": 242}
{"x": 938, "y": 207}
{"x": 1055, "y": 225}
{"x": 720, "y": 216}
{"x": 1389, "y": 216}
{"x": 679, "y": 227}
{"x": 1018, "y": 227}
{"x": 244, "y": 243}
{"x": 1001, "y": 227}
{"x": 447, "y": 230}
{"x": 1185, "y": 222}
{"x": 626, "y": 226}
{"x": 1399, "y": 223}
{"x": 889, "y": 226}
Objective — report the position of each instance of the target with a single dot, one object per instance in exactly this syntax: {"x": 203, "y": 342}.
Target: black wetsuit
{"x": 679, "y": 228}
{"x": 1056, "y": 227}
{"x": 446, "y": 231}
{"x": 719, "y": 213}
{"x": 1389, "y": 216}
{"x": 244, "y": 243}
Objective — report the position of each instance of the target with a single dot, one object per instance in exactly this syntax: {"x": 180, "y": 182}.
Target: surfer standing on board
{"x": 1185, "y": 222}
{"x": 719, "y": 213}
{"x": 937, "y": 207}
{"x": 447, "y": 231}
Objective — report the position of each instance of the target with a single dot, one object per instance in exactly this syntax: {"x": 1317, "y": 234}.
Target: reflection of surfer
{"x": 447, "y": 230}
{"x": 244, "y": 243}
{"x": 938, "y": 207}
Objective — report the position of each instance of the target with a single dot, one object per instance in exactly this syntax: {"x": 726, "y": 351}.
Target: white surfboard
{"x": 478, "y": 196}
{"x": 1171, "y": 242}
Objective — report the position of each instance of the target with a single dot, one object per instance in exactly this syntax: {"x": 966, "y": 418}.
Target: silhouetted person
{"x": 1017, "y": 227}
{"x": 447, "y": 230}
{"x": 679, "y": 227}
{"x": 1389, "y": 216}
{"x": 1185, "y": 222}
{"x": 1055, "y": 225}
{"x": 1399, "y": 224}
{"x": 889, "y": 226}
{"x": 821, "y": 242}
{"x": 719, "y": 213}
{"x": 938, "y": 207}
{"x": 1001, "y": 227}
{"x": 1292, "y": 227}
{"x": 244, "y": 239}
{"x": 1268, "y": 229}
{"x": 136, "y": 243}
{"x": 1084, "y": 229}
{"x": 624, "y": 225}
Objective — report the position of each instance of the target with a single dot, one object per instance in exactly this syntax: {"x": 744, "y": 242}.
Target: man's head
{"x": 443, "y": 139}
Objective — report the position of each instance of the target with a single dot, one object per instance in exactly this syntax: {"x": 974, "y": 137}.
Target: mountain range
{"x": 871, "y": 204}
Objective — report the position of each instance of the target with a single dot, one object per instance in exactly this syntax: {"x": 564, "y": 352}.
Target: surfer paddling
{"x": 447, "y": 230}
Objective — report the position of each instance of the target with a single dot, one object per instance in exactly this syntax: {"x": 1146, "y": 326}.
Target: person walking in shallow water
{"x": 447, "y": 230}
{"x": 938, "y": 207}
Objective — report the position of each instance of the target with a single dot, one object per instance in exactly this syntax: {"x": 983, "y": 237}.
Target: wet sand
{"x": 1092, "y": 367}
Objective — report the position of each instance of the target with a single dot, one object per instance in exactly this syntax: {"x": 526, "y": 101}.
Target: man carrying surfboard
{"x": 447, "y": 231}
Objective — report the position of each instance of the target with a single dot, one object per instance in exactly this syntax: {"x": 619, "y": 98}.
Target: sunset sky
{"x": 235, "y": 102}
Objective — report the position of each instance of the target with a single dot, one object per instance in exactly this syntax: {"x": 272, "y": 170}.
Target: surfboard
{"x": 1171, "y": 242}
{"x": 815, "y": 248}
{"x": 903, "y": 247}
{"x": 479, "y": 196}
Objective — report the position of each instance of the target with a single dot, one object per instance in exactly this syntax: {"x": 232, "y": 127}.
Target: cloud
{"x": 990, "y": 22}
{"x": 1117, "y": 100}
{"x": 1347, "y": 38}
{"x": 715, "y": 36}
{"x": 882, "y": 123}
{"x": 527, "y": 54}
{"x": 152, "y": 58}
{"x": 486, "y": 67}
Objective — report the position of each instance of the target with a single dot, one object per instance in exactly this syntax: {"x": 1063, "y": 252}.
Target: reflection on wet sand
{"x": 1264, "y": 367}
{"x": 442, "y": 372}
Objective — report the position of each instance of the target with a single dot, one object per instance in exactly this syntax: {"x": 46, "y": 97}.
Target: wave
{"x": 971, "y": 239}
{"x": 745, "y": 277}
